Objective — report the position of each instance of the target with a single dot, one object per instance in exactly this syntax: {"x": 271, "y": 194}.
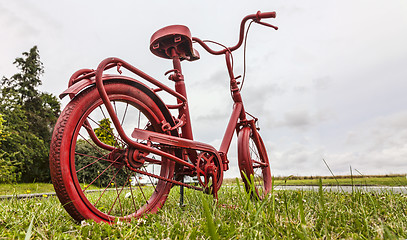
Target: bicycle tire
{"x": 253, "y": 161}
{"x": 75, "y": 159}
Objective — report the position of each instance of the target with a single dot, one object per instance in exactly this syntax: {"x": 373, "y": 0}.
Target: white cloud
{"x": 330, "y": 83}
{"x": 378, "y": 146}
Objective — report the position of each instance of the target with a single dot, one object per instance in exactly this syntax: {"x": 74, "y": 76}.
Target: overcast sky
{"x": 329, "y": 84}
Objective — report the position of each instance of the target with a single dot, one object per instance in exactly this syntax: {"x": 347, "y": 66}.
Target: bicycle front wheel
{"x": 253, "y": 161}
{"x": 95, "y": 173}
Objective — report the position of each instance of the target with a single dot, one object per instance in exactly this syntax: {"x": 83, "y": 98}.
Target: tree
{"x": 3, "y": 134}
{"x": 101, "y": 170}
{"x": 30, "y": 117}
{"x": 7, "y": 169}
{"x": 105, "y": 132}
{"x": 25, "y": 82}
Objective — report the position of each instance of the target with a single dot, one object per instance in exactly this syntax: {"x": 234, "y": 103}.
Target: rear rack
{"x": 109, "y": 63}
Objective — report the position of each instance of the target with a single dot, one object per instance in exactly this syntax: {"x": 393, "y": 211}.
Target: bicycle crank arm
{"x": 185, "y": 144}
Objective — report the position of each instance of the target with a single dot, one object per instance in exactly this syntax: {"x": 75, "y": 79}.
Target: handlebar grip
{"x": 260, "y": 15}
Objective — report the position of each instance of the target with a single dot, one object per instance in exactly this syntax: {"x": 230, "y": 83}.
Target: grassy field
{"x": 28, "y": 188}
{"x": 284, "y": 214}
{"x": 376, "y": 180}
{"x": 25, "y": 188}
{"x": 387, "y": 180}
{"x": 391, "y": 180}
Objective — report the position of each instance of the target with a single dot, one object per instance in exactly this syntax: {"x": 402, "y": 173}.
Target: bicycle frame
{"x": 237, "y": 121}
{"x": 149, "y": 141}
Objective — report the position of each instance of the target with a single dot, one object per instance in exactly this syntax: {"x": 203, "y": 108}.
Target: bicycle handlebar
{"x": 255, "y": 17}
{"x": 261, "y": 15}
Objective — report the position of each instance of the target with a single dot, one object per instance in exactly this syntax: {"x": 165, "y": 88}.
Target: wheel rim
{"x": 104, "y": 182}
{"x": 253, "y": 163}
{"x": 259, "y": 168}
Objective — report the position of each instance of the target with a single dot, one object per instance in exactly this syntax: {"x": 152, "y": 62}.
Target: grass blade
{"x": 332, "y": 175}
{"x": 351, "y": 178}
{"x": 29, "y": 230}
{"x": 301, "y": 206}
{"x": 209, "y": 220}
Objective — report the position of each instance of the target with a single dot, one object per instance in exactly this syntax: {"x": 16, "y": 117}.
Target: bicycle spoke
{"x": 152, "y": 184}
{"x": 117, "y": 137}
{"x": 107, "y": 186}
{"x": 118, "y": 195}
{"x": 253, "y": 149}
{"x": 101, "y": 173}
{"x": 132, "y": 196}
{"x": 124, "y": 114}
{"x": 115, "y": 109}
{"x": 139, "y": 117}
{"x": 103, "y": 113}
{"x": 97, "y": 160}
{"x": 141, "y": 190}
{"x": 92, "y": 145}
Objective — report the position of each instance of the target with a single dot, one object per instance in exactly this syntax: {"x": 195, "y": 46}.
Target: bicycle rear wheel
{"x": 99, "y": 178}
{"x": 253, "y": 161}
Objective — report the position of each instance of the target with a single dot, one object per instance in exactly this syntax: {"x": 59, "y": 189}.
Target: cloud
{"x": 297, "y": 119}
{"x": 381, "y": 144}
{"x": 15, "y": 24}
{"x": 324, "y": 85}
{"x": 297, "y": 159}
{"x": 377, "y": 146}
{"x": 301, "y": 119}
{"x": 382, "y": 132}
{"x": 13, "y": 28}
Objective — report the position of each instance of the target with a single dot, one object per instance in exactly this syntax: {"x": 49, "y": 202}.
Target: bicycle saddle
{"x": 174, "y": 36}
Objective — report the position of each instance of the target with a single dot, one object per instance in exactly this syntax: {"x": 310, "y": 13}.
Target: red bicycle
{"x": 117, "y": 149}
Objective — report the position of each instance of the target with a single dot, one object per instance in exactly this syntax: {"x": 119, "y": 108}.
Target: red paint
{"x": 174, "y": 141}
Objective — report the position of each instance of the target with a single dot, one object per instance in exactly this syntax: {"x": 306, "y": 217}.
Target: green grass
{"x": 283, "y": 215}
{"x": 25, "y": 188}
{"x": 364, "y": 181}
{"x": 29, "y": 188}
{"x": 386, "y": 180}
{"x": 369, "y": 180}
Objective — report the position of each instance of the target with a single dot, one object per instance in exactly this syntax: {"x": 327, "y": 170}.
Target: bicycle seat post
{"x": 178, "y": 78}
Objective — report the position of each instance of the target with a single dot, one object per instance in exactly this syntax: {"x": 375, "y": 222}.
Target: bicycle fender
{"x": 84, "y": 83}
{"x": 77, "y": 87}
